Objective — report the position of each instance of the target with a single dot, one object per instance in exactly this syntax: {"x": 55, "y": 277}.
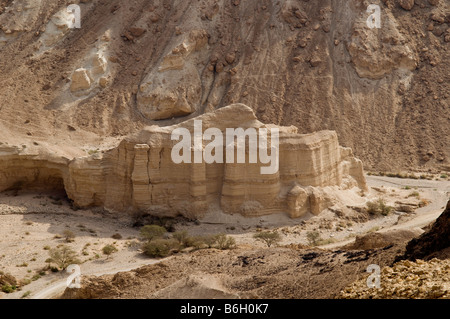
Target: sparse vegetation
{"x": 26, "y": 294}
{"x": 378, "y": 207}
{"x": 63, "y": 257}
{"x": 313, "y": 237}
{"x": 159, "y": 247}
{"x": 269, "y": 238}
{"x": 225, "y": 242}
{"x": 69, "y": 236}
{"x": 109, "y": 249}
{"x": 151, "y": 232}
{"x": 414, "y": 194}
{"x": 9, "y": 288}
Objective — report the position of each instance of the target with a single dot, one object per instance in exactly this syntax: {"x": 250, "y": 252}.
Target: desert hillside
{"x": 312, "y": 64}
{"x": 108, "y": 163}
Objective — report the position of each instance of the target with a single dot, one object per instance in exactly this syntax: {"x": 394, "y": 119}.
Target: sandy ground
{"x": 29, "y": 223}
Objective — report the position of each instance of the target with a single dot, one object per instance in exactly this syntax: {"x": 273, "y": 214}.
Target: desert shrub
{"x": 63, "y": 256}
{"x": 269, "y": 238}
{"x": 8, "y": 288}
{"x": 69, "y": 236}
{"x": 444, "y": 176}
{"x": 322, "y": 242}
{"x": 313, "y": 237}
{"x": 183, "y": 238}
{"x": 26, "y": 294}
{"x": 109, "y": 249}
{"x": 225, "y": 242}
{"x": 414, "y": 194}
{"x": 211, "y": 240}
{"x": 160, "y": 247}
{"x": 378, "y": 207}
{"x": 151, "y": 232}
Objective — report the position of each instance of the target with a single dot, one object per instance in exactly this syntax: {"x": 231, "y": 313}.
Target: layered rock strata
{"x": 141, "y": 175}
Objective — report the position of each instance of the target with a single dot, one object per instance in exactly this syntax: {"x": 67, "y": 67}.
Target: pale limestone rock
{"x": 80, "y": 80}
{"x": 103, "y": 82}
{"x": 99, "y": 64}
{"x": 140, "y": 176}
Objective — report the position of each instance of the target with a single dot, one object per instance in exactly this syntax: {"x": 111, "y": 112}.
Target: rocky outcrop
{"x": 434, "y": 240}
{"x": 140, "y": 175}
{"x": 31, "y": 170}
{"x": 406, "y": 280}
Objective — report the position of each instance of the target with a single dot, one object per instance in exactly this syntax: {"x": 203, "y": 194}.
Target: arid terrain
{"x": 87, "y": 114}
{"x": 291, "y": 269}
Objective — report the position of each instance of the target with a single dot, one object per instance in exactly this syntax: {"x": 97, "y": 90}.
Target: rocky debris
{"x": 406, "y": 4}
{"x": 174, "y": 88}
{"x": 406, "y": 280}
{"x": 433, "y": 241}
{"x": 275, "y": 272}
{"x": 19, "y": 16}
{"x": 376, "y": 54}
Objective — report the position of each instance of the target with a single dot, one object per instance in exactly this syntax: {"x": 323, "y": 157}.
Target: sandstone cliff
{"x": 140, "y": 174}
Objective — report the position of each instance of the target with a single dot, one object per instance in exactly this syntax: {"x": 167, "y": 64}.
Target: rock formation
{"x": 140, "y": 174}
{"x": 433, "y": 241}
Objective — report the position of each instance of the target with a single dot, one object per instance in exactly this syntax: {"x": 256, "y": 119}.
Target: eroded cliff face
{"x": 140, "y": 175}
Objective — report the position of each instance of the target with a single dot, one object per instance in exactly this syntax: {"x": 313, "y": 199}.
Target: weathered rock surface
{"x": 383, "y": 239}
{"x": 140, "y": 175}
{"x": 432, "y": 241}
{"x": 81, "y": 80}
{"x": 174, "y": 87}
{"x": 406, "y": 280}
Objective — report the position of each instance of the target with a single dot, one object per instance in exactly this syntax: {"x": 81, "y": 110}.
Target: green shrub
{"x": 378, "y": 207}
{"x": 109, "y": 249}
{"x": 151, "y": 232}
{"x": 225, "y": 242}
{"x": 26, "y": 294}
{"x": 313, "y": 237}
{"x": 63, "y": 256}
{"x": 414, "y": 194}
{"x": 9, "y": 288}
{"x": 269, "y": 238}
{"x": 160, "y": 247}
{"x": 69, "y": 236}
{"x": 183, "y": 238}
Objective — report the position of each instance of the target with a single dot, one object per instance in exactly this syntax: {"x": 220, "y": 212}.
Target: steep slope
{"x": 433, "y": 242}
{"x": 312, "y": 64}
